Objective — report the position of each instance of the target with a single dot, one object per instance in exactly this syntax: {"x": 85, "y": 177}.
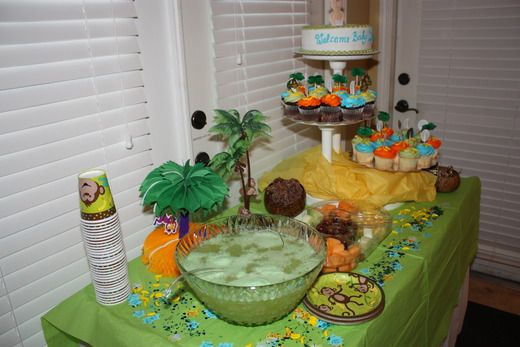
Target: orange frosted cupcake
{"x": 309, "y": 108}
{"x": 330, "y": 110}
{"x": 384, "y": 158}
{"x": 399, "y": 146}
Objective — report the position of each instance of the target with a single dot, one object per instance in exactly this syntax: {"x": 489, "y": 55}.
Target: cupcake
{"x": 426, "y": 153}
{"x": 330, "y": 110}
{"x": 355, "y": 140}
{"x": 396, "y": 137}
{"x": 436, "y": 144}
{"x": 381, "y": 143}
{"x": 309, "y": 108}
{"x": 290, "y": 100}
{"x": 318, "y": 91}
{"x": 362, "y": 136}
{"x": 399, "y": 146}
{"x": 352, "y": 108}
{"x": 384, "y": 158}
{"x": 412, "y": 141}
{"x": 370, "y": 103}
{"x": 408, "y": 159}
{"x": 365, "y": 154}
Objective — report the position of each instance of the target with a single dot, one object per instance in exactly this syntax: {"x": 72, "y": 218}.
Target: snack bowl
{"x": 251, "y": 270}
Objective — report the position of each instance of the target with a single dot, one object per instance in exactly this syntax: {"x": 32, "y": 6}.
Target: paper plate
{"x": 345, "y": 298}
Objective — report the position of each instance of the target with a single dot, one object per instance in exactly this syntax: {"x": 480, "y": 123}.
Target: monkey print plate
{"x": 345, "y": 298}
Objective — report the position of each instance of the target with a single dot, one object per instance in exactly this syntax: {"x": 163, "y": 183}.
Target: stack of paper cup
{"x": 102, "y": 237}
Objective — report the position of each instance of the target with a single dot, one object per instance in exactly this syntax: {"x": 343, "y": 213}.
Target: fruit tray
{"x": 352, "y": 232}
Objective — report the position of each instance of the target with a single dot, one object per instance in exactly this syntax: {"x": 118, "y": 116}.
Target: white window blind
{"x": 255, "y": 44}
{"x": 71, "y": 94}
{"x": 469, "y": 85}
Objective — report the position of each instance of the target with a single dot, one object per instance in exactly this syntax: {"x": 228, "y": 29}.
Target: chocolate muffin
{"x": 285, "y": 197}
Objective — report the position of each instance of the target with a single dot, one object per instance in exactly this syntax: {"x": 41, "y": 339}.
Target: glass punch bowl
{"x": 252, "y": 304}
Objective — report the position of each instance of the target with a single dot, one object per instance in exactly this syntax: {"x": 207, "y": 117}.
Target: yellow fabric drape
{"x": 345, "y": 179}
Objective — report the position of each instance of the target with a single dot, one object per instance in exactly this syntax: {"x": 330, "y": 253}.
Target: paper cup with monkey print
{"x": 102, "y": 238}
{"x": 96, "y": 202}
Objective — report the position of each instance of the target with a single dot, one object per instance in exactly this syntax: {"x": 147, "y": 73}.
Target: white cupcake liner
{"x": 311, "y": 115}
{"x": 352, "y": 114}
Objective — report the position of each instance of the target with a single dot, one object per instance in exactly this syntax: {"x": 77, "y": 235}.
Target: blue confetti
{"x": 397, "y": 266}
{"x": 209, "y": 314}
{"x": 225, "y": 344}
{"x": 322, "y": 324}
{"x": 192, "y": 325}
{"x": 151, "y": 319}
{"x": 138, "y": 314}
{"x": 335, "y": 340}
{"x": 134, "y": 300}
{"x": 365, "y": 271}
{"x": 206, "y": 344}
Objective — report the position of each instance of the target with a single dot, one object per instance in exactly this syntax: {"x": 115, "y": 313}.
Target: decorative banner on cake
{"x": 95, "y": 197}
{"x": 361, "y": 36}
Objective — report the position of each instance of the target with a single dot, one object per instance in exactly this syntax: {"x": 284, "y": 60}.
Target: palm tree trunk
{"x": 184, "y": 224}
{"x": 244, "y": 189}
{"x": 248, "y": 170}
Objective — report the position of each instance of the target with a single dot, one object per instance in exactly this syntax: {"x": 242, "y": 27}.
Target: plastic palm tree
{"x": 295, "y": 80}
{"x": 315, "y": 80}
{"x": 358, "y": 72}
{"x": 177, "y": 189}
{"x": 339, "y": 82}
{"x": 239, "y": 134}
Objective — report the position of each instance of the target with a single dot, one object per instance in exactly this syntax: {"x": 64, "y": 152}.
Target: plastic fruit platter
{"x": 351, "y": 232}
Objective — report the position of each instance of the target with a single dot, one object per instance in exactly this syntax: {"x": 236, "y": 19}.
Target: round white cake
{"x": 337, "y": 40}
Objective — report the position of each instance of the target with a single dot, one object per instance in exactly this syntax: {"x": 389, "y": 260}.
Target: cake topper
{"x": 379, "y": 125}
{"x": 364, "y": 131}
{"x": 337, "y": 16}
{"x": 383, "y": 117}
{"x": 366, "y": 82}
{"x": 427, "y": 126}
{"x": 339, "y": 82}
{"x": 352, "y": 89}
{"x": 295, "y": 81}
{"x": 421, "y": 123}
{"x": 239, "y": 134}
{"x": 315, "y": 81}
{"x": 357, "y": 72}
{"x": 425, "y": 135}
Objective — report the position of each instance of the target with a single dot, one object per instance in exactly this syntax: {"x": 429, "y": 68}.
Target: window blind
{"x": 254, "y": 45}
{"x": 71, "y": 95}
{"x": 469, "y": 85}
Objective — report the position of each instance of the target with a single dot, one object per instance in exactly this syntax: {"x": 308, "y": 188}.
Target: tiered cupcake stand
{"x": 330, "y": 137}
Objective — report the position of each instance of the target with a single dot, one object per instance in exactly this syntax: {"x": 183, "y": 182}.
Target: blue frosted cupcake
{"x": 352, "y": 108}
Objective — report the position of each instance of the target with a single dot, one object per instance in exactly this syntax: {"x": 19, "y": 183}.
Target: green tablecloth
{"x": 421, "y": 266}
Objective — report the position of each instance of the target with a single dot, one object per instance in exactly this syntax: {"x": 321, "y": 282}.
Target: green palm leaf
{"x": 223, "y": 164}
{"x": 358, "y": 72}
{"x": 253, "y": 124}
{"x": 182, "y": 189}
{"x": 297, "y": 76}
{"x": 339, "y": 78}
{"x": 383, "y": 116}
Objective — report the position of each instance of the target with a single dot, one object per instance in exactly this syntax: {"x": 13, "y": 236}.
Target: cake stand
{"x": 331, "y": 139}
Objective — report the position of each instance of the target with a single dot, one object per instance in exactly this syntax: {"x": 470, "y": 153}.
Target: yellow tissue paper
{"x": 345, "y": 179}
